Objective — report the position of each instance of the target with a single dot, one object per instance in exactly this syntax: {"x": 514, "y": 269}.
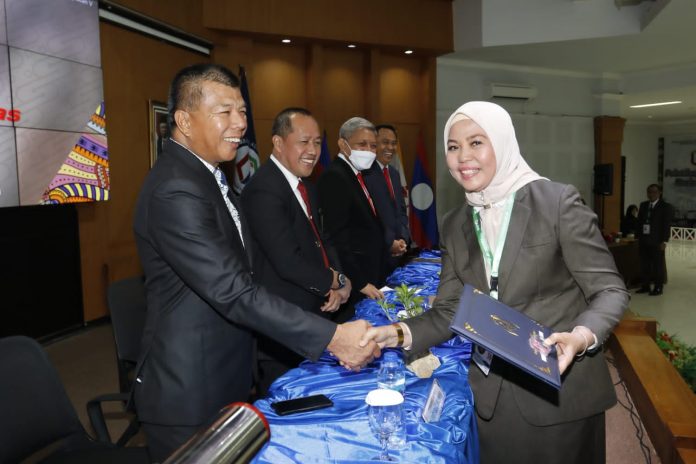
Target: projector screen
{"x": 53, "y": 146}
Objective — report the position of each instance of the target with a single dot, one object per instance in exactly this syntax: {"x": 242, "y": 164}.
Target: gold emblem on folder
{"x": 508, "y": 326}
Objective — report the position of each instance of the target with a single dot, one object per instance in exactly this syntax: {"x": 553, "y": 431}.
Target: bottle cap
{"x": 391, "y": 356}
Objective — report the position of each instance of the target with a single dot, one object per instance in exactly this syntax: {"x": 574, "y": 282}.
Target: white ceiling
{"x": 657, "y": 64}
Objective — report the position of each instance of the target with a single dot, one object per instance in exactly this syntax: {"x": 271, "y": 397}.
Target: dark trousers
{"x": 652, "y": 265}
{"x": 163, "y": 440}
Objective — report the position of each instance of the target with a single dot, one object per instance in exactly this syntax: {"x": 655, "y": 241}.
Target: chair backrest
{"x": 35, "y": 410}
{"x": 127, "y": 304}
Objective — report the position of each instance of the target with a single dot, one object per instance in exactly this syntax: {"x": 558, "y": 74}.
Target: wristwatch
{"x": 341, "y": 279}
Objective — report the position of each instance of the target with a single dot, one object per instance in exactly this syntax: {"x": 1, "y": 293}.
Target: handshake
{"x": 357, "y": 343}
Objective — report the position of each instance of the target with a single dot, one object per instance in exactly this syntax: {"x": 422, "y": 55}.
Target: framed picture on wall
{"x": 158, "y": 128}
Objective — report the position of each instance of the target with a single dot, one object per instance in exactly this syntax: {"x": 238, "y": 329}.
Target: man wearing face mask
{"x": 348, "y": 211}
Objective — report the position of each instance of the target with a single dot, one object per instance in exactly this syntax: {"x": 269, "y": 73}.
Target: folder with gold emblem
{"x": 507, "y": 333}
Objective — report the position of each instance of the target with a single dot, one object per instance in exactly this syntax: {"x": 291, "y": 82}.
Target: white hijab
{"x": 512, "y": 171}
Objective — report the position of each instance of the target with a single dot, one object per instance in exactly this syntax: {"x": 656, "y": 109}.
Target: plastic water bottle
{"x": 391, "y": 373}
{"x": 391, "y": 376}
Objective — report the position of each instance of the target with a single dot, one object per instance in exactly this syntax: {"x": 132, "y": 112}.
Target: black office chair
{"x": 37, "y": 414}
{"x": 127, "y": 304}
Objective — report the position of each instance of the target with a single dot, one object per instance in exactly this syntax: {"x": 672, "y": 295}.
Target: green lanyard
{"x": 494, "y": 261}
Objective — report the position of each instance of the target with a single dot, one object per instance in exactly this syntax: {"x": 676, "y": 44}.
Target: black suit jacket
{"x": 392, "y": 212}
{"x": 287, "y": 259}
{"x": 660, "y": 220}
{"x": 356, "y": 233}
{"x": 202, "y": 304}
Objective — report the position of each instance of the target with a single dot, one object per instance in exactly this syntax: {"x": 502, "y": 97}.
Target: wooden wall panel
{"x": 419, "y": 24}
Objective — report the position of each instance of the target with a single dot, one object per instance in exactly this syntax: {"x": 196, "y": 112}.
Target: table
{"x": 341, "y": 434}
{"x": 627, "y": 259}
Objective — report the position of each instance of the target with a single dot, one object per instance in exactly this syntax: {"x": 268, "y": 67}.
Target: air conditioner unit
{"x": 519, "y": 92}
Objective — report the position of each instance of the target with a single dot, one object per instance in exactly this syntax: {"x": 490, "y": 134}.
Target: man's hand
{"x": 345, "y": 345}
{"x": 568, "y": 344}
{"x": 398, "y": 247}
{"x": 332, "y": 303}
{"x": 372, "y": 292}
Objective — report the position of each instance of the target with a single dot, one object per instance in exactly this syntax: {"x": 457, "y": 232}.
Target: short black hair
{"x": 657, "y": 186}
{"x": 185, "y": 91}
{"x": 386, "y": 126}
{"x": 282, "y": 124}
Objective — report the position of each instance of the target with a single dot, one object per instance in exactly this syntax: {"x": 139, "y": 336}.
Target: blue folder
{"x": 507, "y": 333}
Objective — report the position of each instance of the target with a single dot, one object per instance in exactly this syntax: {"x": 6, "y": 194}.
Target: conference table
{"x": 341, "y": 433}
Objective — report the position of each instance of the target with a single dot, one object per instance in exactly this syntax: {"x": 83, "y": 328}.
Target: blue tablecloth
{"x": 341, "y": 434}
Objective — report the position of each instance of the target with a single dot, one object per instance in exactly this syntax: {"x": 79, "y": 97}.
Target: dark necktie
{"x": 305, "y": 197}
{"x": 387, "y": 177}
{"x": 367, "y": 194}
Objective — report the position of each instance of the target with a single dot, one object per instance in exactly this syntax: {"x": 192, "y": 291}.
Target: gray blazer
{"x": 555, "y": 268}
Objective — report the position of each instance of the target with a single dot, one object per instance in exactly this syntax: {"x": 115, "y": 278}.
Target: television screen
{"x": 53, "y": 146}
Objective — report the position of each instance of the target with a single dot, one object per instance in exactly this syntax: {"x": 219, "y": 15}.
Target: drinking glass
{"x": 385, "y": 416}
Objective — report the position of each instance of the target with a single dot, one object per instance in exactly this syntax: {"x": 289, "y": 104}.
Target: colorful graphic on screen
{"x": 84, "y": 176}
{"x": 53, "y": 146}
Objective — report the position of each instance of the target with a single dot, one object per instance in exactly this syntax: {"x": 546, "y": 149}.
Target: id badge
{"x": 482, "y": 359}
{"x": 646, "y": 229}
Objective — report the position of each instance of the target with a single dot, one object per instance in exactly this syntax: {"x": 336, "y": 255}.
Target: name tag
{"x": 646, "y": 229}
{"x": 482, "y": 358}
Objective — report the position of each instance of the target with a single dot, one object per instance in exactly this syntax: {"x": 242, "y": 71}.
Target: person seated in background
{"x": 384, "y": 184}
{"x": 290, "y": 256}
{"x": 629, "y": 223}
{"x": 551, "y": 264}
{"x": 349, "y": 215}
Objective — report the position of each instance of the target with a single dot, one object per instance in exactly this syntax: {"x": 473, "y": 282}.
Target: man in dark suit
{"x": 348, "y": 212}
{"x": 654, "y": 221}
{"x": 197, "y": 345}
{"x": 291, "y": 257}
{"x": 384, "y": 184}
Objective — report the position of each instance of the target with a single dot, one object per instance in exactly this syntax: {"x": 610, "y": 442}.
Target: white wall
{"x": 555, "y": 130}
{"x": 640, "y": 147}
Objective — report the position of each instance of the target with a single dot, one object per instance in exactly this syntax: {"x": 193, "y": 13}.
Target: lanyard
{"x": 494, "y": 261}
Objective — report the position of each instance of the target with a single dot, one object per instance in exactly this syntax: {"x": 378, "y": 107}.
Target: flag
{"x": 247, "y": 161}
{"x": 399, "y": 165}
{"x": 324, "y": 158}
{"x": 423, "y": 218}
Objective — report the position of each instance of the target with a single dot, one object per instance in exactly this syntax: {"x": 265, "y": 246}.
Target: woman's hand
{"x": 569, "y": 344}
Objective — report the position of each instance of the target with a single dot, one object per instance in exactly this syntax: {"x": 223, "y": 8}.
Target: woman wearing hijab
{"x": 535, "y": 246}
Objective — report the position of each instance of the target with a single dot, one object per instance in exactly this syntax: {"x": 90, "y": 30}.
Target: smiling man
{"x": 291, "y": 257}
{"x": 203, "y": 306}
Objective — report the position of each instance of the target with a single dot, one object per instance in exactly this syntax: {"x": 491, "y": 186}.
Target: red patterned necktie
{"x": 387, "y": 177}
{"x": 305, "y": 197}
{"x": 367, "y": 194}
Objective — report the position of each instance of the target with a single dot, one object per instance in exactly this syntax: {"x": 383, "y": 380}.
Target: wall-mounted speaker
{"x": 603, "y": 179}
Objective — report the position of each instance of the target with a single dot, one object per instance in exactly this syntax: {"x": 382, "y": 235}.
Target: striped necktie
{"x": 224, "y": 189}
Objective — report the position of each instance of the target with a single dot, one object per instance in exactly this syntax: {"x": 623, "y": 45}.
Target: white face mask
{"x": 361, "y": 159}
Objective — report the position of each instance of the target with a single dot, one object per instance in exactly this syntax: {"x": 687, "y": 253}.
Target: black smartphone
{"x": 295, "y": 405}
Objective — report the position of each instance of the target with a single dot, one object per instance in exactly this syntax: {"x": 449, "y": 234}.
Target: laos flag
{"x": 423, "y": 218}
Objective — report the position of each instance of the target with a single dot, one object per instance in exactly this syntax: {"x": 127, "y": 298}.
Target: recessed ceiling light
{"x": 408, "y": 52}
{"x": 286, "y": 41}
{"x": 351, "y": 45}
{"x": 655, "y": 104}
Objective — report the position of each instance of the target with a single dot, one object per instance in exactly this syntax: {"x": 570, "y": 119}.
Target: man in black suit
{"x": 654, "y": 221}
{"x": 384, "y": 184}
{"x": 348, "y": 212}
{"x": 291, "y": 257}
{"x": 197, "y": 346}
